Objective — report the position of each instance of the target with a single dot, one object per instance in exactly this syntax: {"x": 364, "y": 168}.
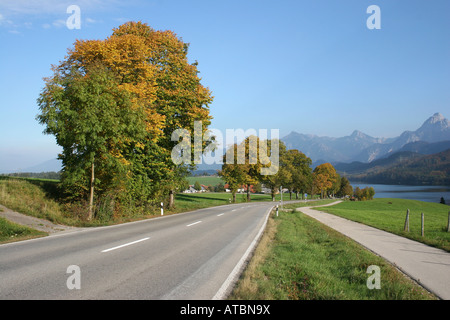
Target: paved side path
{"x": 427, "y": 265}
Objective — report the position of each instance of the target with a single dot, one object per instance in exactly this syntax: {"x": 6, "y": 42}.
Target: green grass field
{"x": 192, "y": 201}
{"x": 206, "y": 180}
{"x": 389, "y": 215}
{"x": 299, "y": 258}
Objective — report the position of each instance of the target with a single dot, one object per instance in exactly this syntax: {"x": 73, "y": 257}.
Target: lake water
{"x": 423, "y": 193}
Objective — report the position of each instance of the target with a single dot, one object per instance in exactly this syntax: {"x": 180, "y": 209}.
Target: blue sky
{"x": 309, "y": 66}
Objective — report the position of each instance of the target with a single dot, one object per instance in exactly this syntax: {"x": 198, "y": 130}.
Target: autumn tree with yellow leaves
{"x": 112, "y": 106}
{"x": 324, "y": 177}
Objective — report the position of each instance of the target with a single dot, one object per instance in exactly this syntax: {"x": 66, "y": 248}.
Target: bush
{"x": 364, "y": 194}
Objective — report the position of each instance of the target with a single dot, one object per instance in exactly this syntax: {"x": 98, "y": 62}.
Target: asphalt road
{"x": 194, "y": 255}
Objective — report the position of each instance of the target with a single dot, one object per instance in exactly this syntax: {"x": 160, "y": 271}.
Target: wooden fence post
{"x": 448, "y": 223}
{"x": 406, "y": 228}
{"x": 423, "y": 225}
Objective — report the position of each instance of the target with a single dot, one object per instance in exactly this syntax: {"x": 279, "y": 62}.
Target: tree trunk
{"x": 91, "y": 197}
{"x": 248, "y": 193}
{"x": 234, "y": 197}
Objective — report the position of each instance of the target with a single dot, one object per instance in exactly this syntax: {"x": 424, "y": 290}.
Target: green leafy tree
{"x": 357, "y": 193}
{"x": 345, "y": 188}
{"x": 281, "y": 175}
{"x": 252, "y": 166}
{"x": 364, "y": 194}
{"x": 233, "y": 174}
{"x": 89, "y": 115}
{"x": 369, "y": 193}
{"x": 113, "y": 104}
{"x": 300, "y": 174}
{"x": 219, "y": 188}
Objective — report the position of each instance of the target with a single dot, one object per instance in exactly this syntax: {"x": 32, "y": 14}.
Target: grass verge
{"x": 10, "y": 232}
{"x": 292, "y": 206}
{"x": 299, "y": 258}
{"x": 389, "y": 215}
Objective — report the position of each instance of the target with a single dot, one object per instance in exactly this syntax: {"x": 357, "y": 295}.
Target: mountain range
{"x": 352, "y": 154}
{"x": 432, "y": 137}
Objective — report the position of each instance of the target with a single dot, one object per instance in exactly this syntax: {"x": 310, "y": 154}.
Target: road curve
{"x": 194, "y": 255}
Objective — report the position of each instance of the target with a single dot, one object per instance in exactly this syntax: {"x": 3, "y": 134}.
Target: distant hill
{"x": 423, "y": 147}
{"x": 407, "y": 168}
{"x": 53, "y": 165}
{"x": 206, "y": 169}
{"x": 358, "y": 167}
{"x": 364, "y": 148}
{"x": 37, "y": 175}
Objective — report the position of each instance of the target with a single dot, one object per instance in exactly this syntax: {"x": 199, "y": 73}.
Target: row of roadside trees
{"x": 293, "y": 172}
{"x": 113, "y": 106}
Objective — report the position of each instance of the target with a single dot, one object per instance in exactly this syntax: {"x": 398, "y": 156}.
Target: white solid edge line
{"x": 232, "y": 277}
{"x": 124, "y": 245}
{"x": 220, "y": 214}
{"x": 193, "y": 223}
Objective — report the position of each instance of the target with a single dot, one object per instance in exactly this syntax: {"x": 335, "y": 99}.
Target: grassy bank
{"x": 34, "y": 197}
{"x": 390, "y": 214}
{"x": 299, "y": 258}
